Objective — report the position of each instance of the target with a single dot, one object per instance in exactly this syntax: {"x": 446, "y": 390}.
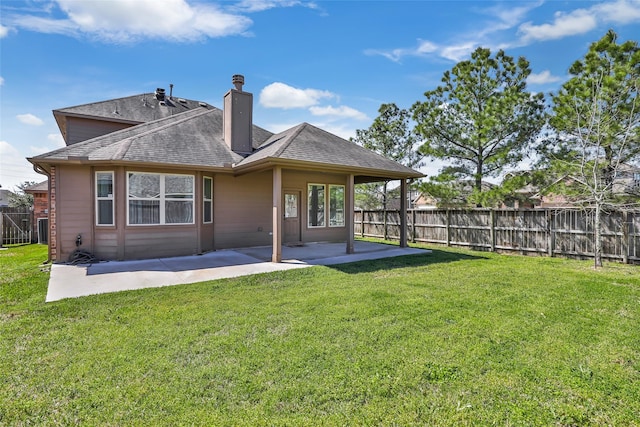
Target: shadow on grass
{"x": 435, "y": 257}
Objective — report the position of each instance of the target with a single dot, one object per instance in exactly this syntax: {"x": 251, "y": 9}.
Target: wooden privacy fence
{"x": 15, "y": 225}
{"x": 557, "y": 231}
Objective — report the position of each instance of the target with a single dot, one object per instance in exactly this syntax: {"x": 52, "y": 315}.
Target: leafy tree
{"x": 20, "y": 199}
{"x": 390, "y": 136}
{"x": 481, "y": 119}
{"x": 596, "y": 116}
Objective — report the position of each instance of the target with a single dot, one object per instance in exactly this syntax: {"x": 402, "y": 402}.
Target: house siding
{"x": 242, "y": 215}
{"x": 160, "y": 241}
{"x": 81, "y": 129}
{"x": 74, "y": 216}
{"x": 299, "y": 180}
{"x": 242, "y": 210}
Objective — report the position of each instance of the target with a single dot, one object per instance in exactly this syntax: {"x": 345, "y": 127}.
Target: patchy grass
{"x": 452, "y": 338}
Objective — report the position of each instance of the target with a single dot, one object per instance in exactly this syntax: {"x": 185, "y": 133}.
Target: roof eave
{"x": 47, "y": 163}
{"x": 372, "y": 175}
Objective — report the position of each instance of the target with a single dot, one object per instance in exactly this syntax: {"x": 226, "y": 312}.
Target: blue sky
{"x": 328, "y": 63}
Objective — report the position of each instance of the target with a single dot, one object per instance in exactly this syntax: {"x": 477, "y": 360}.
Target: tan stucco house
{"x": 153, "y": 175}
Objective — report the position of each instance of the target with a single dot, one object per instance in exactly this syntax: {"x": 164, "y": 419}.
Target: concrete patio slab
{"x": 72, "y": 281}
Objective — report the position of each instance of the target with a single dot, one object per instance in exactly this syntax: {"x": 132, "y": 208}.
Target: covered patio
{"x": 72, "y": 281}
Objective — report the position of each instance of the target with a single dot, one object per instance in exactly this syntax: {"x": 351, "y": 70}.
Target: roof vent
{"x": 160, "y": 94}
{"x": 238, "y": 81}
{"x": 202, "y": 104}
{"x": 162, "y": 103}
{"x": 182, "y": 100}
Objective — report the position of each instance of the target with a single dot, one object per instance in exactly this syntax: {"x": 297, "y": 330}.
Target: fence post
{"x": 413, "y": 225}
{"x": 1, "y": 228}
{"x": 362, "y": 223}
{"x": 384, "y": 224}
{"x": 492, "y": 232}
{"x": 625, "y": 237}
{"x": 448, "y": 229}
{"x": 551, "y": 235}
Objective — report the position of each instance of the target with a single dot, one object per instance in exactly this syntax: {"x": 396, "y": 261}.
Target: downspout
{"x": 42, "y": 171}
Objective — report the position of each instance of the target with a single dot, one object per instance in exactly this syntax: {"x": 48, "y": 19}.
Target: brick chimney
{"x": 238, "y": 117}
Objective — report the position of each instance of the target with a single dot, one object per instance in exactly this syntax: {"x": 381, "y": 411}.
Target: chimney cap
{"x": 238, "y": 81}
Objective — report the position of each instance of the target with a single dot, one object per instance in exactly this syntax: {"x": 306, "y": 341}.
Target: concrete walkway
{"x": 71, "y": 281}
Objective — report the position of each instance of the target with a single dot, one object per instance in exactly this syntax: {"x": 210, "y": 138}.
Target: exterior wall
{"x": 299, "y": 180}
{"x": 81, "y": 129}
{"x": 122, "y": 241}
{"x": 242, "y": 215}
{"x": 242, "y": 210}
{"x": 73, "y": 213}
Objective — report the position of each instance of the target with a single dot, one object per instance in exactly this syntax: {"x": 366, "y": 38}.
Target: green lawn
{"x": 453, "y": 338}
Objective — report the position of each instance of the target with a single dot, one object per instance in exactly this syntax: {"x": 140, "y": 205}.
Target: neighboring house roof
{"x": 41, "y": 187}
{"x": 135, "y": 109}
{"x": 195, "y": 138}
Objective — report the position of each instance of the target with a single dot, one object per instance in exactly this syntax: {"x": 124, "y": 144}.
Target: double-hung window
{"x": 104, "y": 198}
{"x": 160, "y": 198}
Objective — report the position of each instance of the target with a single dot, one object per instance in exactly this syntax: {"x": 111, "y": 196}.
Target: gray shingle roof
{"x": 194, "y": 138}
{"x": 136, "y": 108}
{"x": 191, "y": 138}
{"x": 307, "y": 143}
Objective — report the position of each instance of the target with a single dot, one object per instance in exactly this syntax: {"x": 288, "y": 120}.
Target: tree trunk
{"x": 597, "y": 237}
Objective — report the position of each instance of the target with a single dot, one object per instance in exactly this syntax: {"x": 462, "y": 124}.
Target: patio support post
{"x": 350, "y": 214}
{"x": 277, "y": 215}
{"x": 403, "y": 213}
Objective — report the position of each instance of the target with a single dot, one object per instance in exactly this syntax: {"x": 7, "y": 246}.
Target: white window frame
{"x": 105, "y": 198}
{"x": 344, "y": 192}
{"x": 205, "y": 199}
{"x": 162, "y": 199}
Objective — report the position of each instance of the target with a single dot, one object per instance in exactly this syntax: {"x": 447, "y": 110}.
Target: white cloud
{"x": 4, "y": 31}
{"x": 123, "y": 21}
{"x": 619, "y": 12}
{"x": 30, "y": 119}
{"x": 8, "y": 150}
{"x": 280, "y": 95}
{"x": 14, "y": 167}
{"x": 342, "y": 112}
{"x": 260, "y": 5}
{"x": 502, "y": 18}
{"x": 542, "y": 78}
{"x": 56, "y": 139}
{"x": 423, "y": 48}
{"x": 458, "y": 52}
{"x": 1, "y": 81}
{"x": 579, "y": 21}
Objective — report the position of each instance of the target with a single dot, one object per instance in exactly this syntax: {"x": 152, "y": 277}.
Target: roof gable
{"x": 307, "y": 143}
